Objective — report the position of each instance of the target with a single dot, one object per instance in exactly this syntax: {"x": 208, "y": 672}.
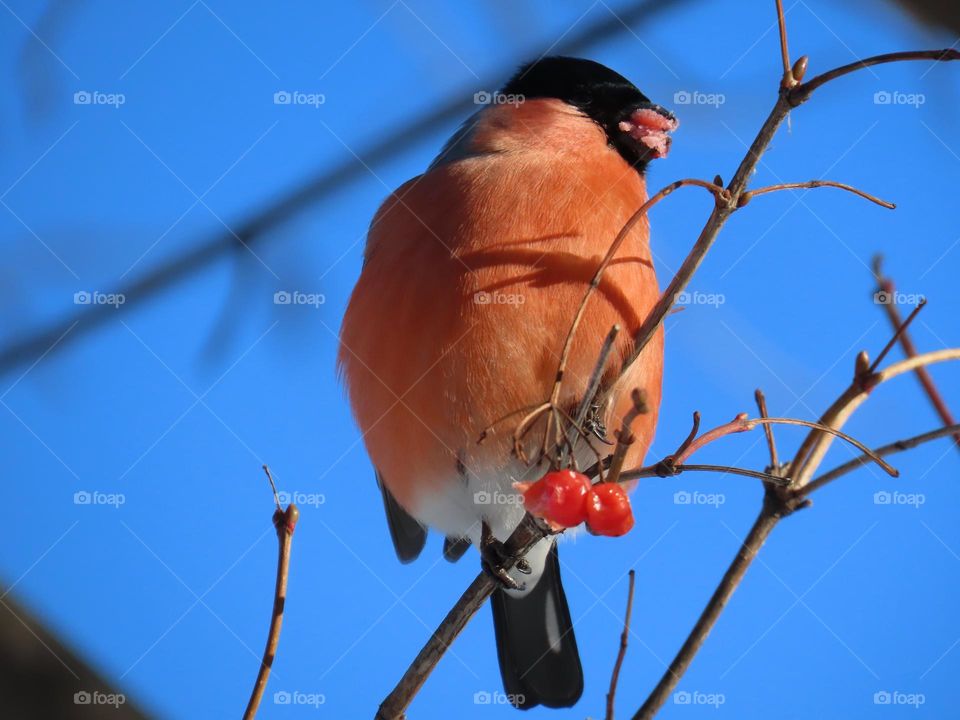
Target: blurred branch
{"x": 885, "y": 285}
{"x": 207, "y": 250}
{"x": 935, "y": 13}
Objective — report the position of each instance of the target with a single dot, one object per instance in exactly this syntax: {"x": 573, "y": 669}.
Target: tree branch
{"x": 285, "y": 521}
{"x": 890, "y": 449}
{"x": 621, "y": 654}
{"x": 885, "y": 285}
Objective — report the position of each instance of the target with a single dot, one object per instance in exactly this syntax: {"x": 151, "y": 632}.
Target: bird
{"x": 471, "y": 275}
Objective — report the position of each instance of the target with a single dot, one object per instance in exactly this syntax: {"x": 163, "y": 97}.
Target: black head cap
{"x": 601, "y": 94}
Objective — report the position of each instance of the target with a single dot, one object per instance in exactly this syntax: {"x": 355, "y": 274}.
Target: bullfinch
{"x": 471, "y": 277}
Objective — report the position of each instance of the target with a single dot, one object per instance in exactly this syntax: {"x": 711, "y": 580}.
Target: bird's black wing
{"x": 408, "y": 535}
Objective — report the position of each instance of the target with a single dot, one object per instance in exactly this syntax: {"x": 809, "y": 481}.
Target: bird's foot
{"x": 495, "y": 558}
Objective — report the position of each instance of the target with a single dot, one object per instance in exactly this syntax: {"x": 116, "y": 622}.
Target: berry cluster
{"x": 565, "y": 498}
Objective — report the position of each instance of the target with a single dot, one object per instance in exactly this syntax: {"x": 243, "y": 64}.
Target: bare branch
{"x": 885, "y": 285}
{"x": 894, "y": 447}
{"x": 759, "y": 533}
{"x": 621, "y": 654}
{"x": 788, "y": 80}
{"x": 815, "y": 445}
{"x": 285, "y": 522}
{"x": 767, "y": 430}
{"x": 750, "y": 194}
{"x": 658, "y": 471}
{"x": 802, "y": 93}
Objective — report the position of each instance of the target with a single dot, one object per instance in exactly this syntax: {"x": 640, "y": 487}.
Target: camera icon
{"x": 82, "y": 698}
{"x": 82, "y": 97}
{"x": 682, "y": 698}
{"x": 682, "y": 97}
{"x": 482, "y": 298}
{"x": 882, "y": 97}
{"x": 282, "y": 97}
{"x": 282, "y": 297}
{"x": 882, "y": 297}
{"x": 682, "y": 298}
{"x": 482, "y": 697}
{"x": 284, "y": 497}
{"x": 482, "y": 98}
{"x": 282, "y": 697}
{"x": 882, "y": 698}
{"x": 82, "y": 298}
{"x": 482, "y": 498}
{"x": 82, "y": 497}
{"x": 682, "y": 497}
{"x": 882, "y": 497}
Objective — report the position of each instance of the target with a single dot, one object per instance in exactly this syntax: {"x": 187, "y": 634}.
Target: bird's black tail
{"x": 538, "y": 653}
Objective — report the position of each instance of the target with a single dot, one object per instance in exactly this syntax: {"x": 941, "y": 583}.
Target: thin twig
{"x": 621, "y": 654}
{"x": 741, "y": 423}
{"x": 809, "y": 184}
{"x": 767, "y": 430}
{"x": 802, "y": 93}
{"x": 593, "y": 384}
{"x": 657, "y": 471}
{"x": 625, "y": 437}
{"x": 784, "y": 52}
{"x": 285, "y": 522}
{"x": 890, "y": 449}
{"x": 899, "y": 330}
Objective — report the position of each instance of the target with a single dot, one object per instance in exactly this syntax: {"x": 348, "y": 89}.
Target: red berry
{"x": 608, "y": 510}
{"x": 558, "y": 497}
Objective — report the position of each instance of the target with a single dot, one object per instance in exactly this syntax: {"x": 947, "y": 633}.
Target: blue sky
{"x": 173, "y": 404}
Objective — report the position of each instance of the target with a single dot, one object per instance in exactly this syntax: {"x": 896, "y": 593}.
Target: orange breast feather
{"x": 473, "y": 274}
